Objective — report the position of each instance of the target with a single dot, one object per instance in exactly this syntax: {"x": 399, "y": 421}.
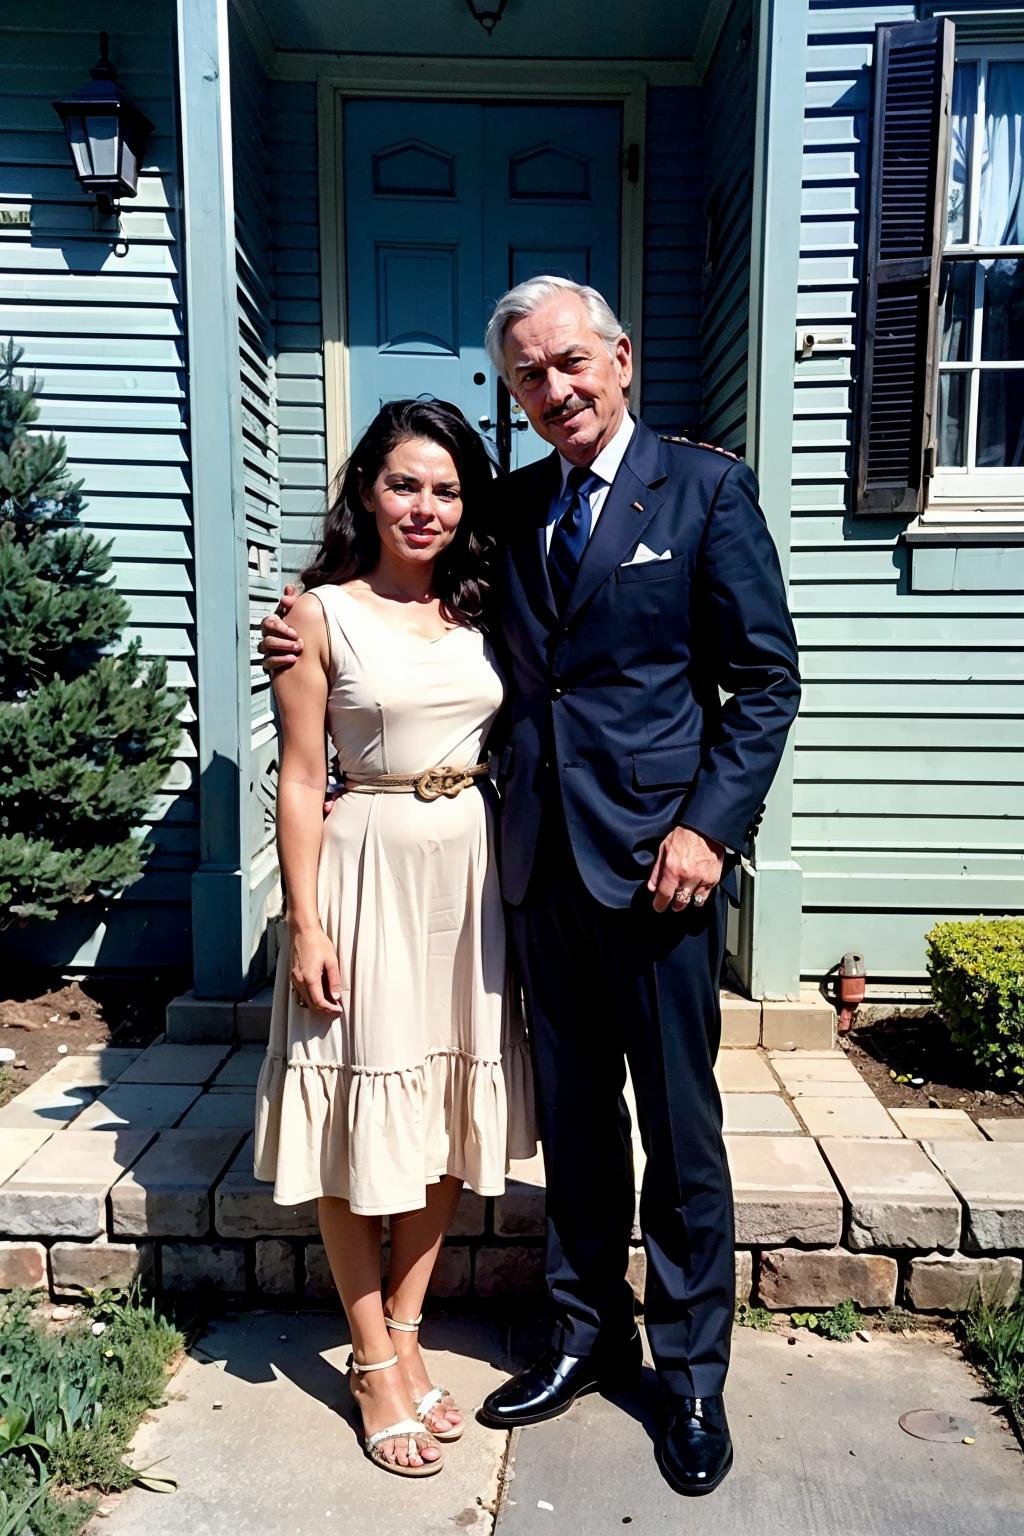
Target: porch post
{"x": 771, "y": 920}
{"x": 219, "y": 886}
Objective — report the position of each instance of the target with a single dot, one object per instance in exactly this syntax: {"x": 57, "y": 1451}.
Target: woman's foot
{"x": 384, "y": 1398}
{"x": 443, "y": 1417}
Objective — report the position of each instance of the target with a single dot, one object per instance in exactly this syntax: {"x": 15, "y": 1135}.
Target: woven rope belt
{"x": 427, "y": 786}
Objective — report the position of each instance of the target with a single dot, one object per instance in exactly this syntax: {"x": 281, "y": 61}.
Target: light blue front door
{"x": 448, "y": 205}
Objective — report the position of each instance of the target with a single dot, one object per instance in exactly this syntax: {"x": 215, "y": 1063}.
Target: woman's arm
{"x": 301, "y": 693}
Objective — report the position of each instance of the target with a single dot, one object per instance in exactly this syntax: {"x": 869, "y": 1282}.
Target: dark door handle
{"x": 485, "y": 423}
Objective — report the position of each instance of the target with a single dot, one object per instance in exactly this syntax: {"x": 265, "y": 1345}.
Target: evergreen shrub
{"x": 88, "y": 730}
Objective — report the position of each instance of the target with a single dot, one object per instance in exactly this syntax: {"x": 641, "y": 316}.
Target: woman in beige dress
{"x": 396, "y": 1069}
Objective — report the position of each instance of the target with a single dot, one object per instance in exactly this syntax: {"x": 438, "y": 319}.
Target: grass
{"x": 70, "y": 1402}
{"x": 993, "y": 1337}
{"x": 839, "y": 1322}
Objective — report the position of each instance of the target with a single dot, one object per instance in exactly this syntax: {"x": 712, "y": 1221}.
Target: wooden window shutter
{"x": 913, "y": 81}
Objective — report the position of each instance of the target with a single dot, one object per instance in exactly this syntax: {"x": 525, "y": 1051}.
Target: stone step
{"x": 807, "y": 1024}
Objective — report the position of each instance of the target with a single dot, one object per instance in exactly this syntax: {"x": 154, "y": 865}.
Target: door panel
{"x": 448, "y": 206}
{"x": 413, "y": 243}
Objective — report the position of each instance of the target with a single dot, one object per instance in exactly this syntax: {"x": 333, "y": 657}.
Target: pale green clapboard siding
{"x": 673, "y": 255}
{"x": 728, "y": 140}
{"x": 909, "y": 792}
{"x": 106, "y": 336}
{"x": 295, "y": 235}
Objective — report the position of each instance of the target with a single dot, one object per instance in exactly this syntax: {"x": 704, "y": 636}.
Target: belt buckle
{"x": 441, "y": 781}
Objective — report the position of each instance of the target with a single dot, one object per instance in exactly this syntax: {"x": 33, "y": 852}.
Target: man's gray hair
{"x": 527, "y": 297}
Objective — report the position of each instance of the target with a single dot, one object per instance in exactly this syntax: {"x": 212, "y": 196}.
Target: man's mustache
{"x": 570, "y": 406}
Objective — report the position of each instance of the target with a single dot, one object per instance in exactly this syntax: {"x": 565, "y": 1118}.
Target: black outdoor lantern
{"x": 487, "y": 15}
{"x": 106, "y": 134}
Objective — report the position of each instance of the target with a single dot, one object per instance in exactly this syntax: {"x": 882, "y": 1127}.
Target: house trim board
{"x": 769, "y": 956}
{"x": 219, "y": 891}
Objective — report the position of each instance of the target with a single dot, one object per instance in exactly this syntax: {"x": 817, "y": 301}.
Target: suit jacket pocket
{"x": 654, "y": 570}
{"x": 666, "y": 767}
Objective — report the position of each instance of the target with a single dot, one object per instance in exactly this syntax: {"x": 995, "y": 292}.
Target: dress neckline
{"x": 406, "y": 634}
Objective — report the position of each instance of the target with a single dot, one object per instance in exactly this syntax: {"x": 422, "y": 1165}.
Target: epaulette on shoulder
{"x": 689, "y": 442}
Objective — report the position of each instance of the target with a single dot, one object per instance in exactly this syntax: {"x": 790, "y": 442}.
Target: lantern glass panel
{"x": 129, "y": 167}
{"x": 103, "y": 144}
{"x": 78, "y": 143}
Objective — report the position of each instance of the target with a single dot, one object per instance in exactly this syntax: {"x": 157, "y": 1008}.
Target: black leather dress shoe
{"x": 554, "y": 1381}
{"x": 695, "y": 1450}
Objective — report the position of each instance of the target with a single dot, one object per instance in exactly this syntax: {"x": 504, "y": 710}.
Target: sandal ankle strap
{"x": 373, "y": 1365}
{"x": 400, "y": 1327}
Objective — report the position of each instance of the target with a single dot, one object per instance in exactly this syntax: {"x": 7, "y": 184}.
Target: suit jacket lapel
{"x": 630, "y": 505}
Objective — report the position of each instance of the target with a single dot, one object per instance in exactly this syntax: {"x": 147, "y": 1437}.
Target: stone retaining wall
{"x": 121, "y": 1163}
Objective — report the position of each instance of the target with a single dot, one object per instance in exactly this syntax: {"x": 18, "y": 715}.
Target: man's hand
{"x": 687, "y": 868}
{"x": 280, "y": 646}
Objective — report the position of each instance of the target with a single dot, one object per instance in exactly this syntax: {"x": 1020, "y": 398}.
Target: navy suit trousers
{"x": 604, "y": 986}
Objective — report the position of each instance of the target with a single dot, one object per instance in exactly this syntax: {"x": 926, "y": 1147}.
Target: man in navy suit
{"x": 637, "y": 580}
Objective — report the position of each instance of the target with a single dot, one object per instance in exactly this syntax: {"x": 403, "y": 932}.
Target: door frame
{"x": 491, "y": 81}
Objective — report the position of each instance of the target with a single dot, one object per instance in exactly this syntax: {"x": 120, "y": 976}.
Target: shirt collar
{"x": 606, "y": 465}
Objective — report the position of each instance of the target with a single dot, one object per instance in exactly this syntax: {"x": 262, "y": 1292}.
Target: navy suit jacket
{"x": 620, "y": 696}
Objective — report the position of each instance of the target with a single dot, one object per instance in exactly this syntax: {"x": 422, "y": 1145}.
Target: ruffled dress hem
{"x": 452, "y": 1115}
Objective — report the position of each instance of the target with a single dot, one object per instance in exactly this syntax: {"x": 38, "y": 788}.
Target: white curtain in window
{"x": 962, "y": 111}
{"x": 1002, "y": 165}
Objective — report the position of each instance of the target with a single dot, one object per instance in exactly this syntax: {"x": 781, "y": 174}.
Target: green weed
{"x": 759, "y": 1318}
{"x": 897, "y": 1320}
{"x": 839, "y": 1322}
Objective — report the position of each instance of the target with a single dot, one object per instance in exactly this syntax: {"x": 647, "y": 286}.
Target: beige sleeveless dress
{"x": 425, "y": 1072}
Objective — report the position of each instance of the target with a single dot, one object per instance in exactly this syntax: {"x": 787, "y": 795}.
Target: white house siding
{"x": 106, "y": 336}
{"x": 909, "y": 804}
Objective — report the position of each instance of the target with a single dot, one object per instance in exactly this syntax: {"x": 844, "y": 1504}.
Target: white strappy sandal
{"x": 436, "y": 1395}
{"x": 413, "y": 1428}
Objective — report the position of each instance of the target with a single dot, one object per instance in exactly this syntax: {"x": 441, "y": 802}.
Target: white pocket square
{"x": 642, "y": 554}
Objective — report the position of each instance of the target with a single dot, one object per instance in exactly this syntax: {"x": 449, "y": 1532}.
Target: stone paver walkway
{"x": 142, "y": 1160}
{"x": 819, "y": 1450}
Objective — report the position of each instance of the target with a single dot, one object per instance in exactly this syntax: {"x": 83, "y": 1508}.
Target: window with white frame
{"x": 979, "y": 424}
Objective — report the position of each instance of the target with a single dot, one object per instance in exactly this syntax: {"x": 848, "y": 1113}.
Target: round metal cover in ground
{"x": 933, "y": 1424}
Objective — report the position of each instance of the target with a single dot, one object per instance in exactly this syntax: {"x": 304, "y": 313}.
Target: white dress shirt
{"x": 605, "y": 467}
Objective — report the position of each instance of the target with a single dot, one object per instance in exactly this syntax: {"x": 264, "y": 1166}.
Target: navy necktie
{"x": 571, "y": 532}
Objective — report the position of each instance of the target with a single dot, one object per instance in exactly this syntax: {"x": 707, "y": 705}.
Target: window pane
{"x": 1002, "y": 328}
{"x": 950, "y": 430}
{"x": 1002, "y": 207}
{"x": 965, "y": 90}
{"x": 957, "y": 301}
{"x": 1001, "y": 419}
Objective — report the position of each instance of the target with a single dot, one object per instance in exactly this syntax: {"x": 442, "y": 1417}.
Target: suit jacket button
{"x": 557, "y": 691}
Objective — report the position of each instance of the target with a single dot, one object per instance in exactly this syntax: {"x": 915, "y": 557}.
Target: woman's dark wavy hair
{"x": 350, "y": 544}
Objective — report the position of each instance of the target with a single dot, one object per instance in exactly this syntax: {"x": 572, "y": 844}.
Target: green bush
{"x": 977, "y": 976}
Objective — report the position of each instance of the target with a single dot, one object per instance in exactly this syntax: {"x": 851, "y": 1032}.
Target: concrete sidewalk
{"x": 819, "y": 1452}
{"x": 819, "y": 1448}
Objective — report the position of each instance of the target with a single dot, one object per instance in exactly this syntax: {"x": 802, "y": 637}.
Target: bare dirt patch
{"x": 47, "y": 1013}
{"x": 914, "y": 1045}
